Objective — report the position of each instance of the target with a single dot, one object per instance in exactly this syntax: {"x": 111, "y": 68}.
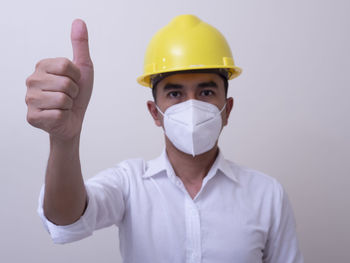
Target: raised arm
{"x": 58, "y": 93}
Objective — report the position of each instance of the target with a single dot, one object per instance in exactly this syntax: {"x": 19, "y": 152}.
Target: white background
{"x": 291, "y": 116}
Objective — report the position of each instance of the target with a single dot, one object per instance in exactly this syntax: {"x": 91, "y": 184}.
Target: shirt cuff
{"x": 61, "y": 234}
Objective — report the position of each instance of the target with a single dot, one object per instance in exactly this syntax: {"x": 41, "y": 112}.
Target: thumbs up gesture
{"x": 59, "y": 90}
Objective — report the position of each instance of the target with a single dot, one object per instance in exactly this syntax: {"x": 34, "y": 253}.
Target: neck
{"x": 191, "y": 170}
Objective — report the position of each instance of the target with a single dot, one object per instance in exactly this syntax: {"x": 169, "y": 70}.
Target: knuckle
{"x": 29, "y": 99}
{"x": 61, "y": 98}
{"x": 64, "y": 64}
{"x": 66, "y": 83}
{"x": 40, "y": 63}
{"x": 37, "y": 81}
{"x": 29, "y": 81}
{"x": 32, "y": 119}
{"x": 58, "y": 115}
{"x": 32, "y": 81}
{"x": 68, "y": 87}
{"x": 88, "y": 63}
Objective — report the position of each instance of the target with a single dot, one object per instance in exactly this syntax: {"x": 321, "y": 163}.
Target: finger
{"x": 80, "y": 44}
{"x": 50, "y": 82}
{"x": 60, "y": 67}
{"x": 48, "y": 100}
{"x": 46, "y": 119}
{"x": 60, "y": 84}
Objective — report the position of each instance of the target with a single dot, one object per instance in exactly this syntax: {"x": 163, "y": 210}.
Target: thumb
{"x": 80, "y": 44}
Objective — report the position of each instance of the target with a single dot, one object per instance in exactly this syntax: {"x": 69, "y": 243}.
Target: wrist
{"x": 64, "y": 143}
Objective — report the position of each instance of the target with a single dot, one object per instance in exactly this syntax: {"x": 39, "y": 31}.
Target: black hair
{"x": 157, "y": 78}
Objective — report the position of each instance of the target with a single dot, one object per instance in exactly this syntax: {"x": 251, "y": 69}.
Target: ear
{"x": 154, "y": 113}
{"x": 228, "y": 109}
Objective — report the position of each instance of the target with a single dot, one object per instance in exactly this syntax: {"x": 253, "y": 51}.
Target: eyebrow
{"x": 170, "y": 86}
{"x": 211, "y": 84}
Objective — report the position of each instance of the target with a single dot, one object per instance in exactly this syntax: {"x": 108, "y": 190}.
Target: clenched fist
{"x": 59, "y": 90}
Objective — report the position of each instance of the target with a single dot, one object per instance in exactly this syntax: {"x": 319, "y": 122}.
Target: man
{"x": 188, "y": 205}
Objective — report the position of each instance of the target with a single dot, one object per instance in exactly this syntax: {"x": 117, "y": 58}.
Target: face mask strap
{"x": 223, "y": 108}
{"x": 159, "y": 110}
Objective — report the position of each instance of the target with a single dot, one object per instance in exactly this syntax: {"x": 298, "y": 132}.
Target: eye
{"x": 207, "y": 93}
{"x": 174, "y": 94}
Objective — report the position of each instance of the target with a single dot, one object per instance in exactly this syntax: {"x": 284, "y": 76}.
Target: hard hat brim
{"x": 145, "y": 80}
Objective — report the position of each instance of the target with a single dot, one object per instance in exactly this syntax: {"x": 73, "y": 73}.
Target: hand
{"x": 59, "y": 90}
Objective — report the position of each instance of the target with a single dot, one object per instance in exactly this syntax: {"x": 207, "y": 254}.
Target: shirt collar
{"x": 162, "y": 163}
{"x": 224, "y": 166}
{"x": 155, "y": 166}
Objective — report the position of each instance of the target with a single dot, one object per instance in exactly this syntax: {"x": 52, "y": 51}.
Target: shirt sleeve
{"x": 106, "y": 194}
{"x": 282, "y": 244}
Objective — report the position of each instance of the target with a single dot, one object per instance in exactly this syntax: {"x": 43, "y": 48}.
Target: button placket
{"x": 193, "y": 235}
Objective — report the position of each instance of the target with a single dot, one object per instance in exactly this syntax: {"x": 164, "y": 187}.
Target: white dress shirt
{"x": 239, "y": 215}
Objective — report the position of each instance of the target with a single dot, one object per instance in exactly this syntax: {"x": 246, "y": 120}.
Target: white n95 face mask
{"x": 193, "y": 126}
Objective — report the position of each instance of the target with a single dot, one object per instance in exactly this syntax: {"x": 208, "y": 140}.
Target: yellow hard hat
{"x": 187, "y": 43}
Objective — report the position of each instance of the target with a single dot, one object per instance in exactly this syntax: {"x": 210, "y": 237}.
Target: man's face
{"x": 176, "y": 88}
